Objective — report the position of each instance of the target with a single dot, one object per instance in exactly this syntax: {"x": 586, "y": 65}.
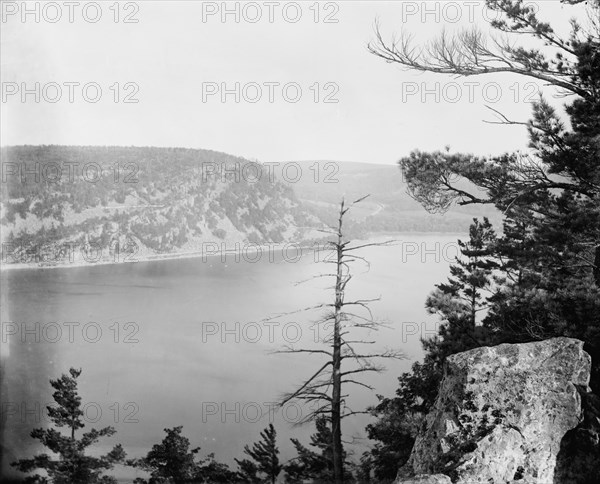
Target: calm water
{"x": 182, "y": 343}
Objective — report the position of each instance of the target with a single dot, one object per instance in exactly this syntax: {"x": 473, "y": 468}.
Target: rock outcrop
{"x": 501, "y": 414}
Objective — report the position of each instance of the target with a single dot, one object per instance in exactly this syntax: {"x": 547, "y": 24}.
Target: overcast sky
{"x": 178, "y": 56}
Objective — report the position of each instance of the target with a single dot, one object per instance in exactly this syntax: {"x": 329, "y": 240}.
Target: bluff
{"x": 504, "y": 414}
{"x": 140, "y": 201}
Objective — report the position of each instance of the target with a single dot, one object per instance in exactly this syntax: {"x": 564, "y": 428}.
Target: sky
{"x": 270, "y": 81}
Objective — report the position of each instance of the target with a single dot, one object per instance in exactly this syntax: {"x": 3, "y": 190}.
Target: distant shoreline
{"x": 247, "y": 249}
{"x": 282, "y": 250}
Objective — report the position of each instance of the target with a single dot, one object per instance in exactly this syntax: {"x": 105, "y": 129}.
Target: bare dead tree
{"x": 325, "y": 387}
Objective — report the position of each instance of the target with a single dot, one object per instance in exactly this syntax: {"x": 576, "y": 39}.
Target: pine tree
{"x": 170, "y": 461}
{"x": 173, "y": 462}
{"x": 248, "y": 472}
{"x": 213, "y": 472}
{"x": 72, "y": 466}
{"x": 460, "y": 301}
{"x": 316, "y": 465}
{"x": 265, "y": 454}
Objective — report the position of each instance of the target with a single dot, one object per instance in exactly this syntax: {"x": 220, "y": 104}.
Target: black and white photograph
{"x": 300, "y": 242}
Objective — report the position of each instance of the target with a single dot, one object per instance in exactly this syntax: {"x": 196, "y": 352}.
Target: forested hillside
{"x": 100, "y": 203}
{"x": 147, "y": 200}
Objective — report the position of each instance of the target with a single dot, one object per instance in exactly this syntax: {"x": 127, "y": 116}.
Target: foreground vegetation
{"x": 172, "y": 461}
{"x": 538, "y": 275}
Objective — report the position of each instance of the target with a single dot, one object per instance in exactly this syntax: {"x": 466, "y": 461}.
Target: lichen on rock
{"x": 501, "y": 414}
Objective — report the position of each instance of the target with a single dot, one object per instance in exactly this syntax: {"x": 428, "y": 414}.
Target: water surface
{"x": 182, "y": 342}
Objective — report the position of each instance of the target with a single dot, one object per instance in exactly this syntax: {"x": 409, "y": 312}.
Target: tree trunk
{"x": 336, "y": 417}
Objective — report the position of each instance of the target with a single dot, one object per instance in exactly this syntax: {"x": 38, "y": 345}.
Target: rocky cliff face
{"x": 501, "y": 415}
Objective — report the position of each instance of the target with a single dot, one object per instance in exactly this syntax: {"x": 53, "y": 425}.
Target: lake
{"x": 184, "y": 342}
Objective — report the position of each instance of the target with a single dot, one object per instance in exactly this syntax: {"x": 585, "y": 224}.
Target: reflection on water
{"x": 181, "y": 342}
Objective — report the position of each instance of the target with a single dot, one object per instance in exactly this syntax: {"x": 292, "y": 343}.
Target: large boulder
{"x": 501, "y": 414}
